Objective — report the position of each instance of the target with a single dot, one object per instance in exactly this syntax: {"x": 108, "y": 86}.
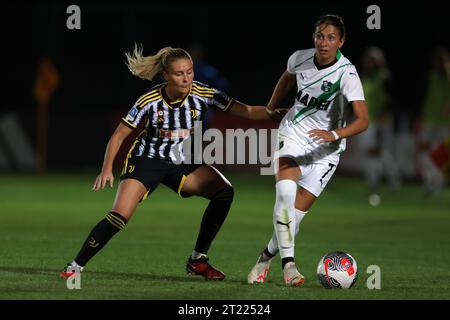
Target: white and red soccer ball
{"x": 337, "y": 270}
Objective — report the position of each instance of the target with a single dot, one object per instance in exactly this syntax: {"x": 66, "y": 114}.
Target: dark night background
{"x": 248, "y": 42}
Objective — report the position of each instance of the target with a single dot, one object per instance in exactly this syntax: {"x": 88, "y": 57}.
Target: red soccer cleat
{"x": 201, "y": 267}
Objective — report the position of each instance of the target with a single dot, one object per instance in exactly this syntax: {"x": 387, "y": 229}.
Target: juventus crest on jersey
{"x": 170, "y": 123}
{"x": 321, "y": 99}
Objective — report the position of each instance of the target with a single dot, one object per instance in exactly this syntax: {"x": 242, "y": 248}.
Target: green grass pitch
{"x": 45, "y": 219}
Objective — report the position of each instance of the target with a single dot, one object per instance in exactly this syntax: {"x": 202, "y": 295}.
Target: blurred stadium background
{"x": 66, "y": 90}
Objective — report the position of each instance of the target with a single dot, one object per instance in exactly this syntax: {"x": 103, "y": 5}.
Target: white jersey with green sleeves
{"x": 321, "y": 100}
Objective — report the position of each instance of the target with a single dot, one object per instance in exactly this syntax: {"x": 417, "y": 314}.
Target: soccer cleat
{"x": 292, "y": 277}
{"x": 69, "y": 270}
{"x": 260, "y": 271}
{"x": 201, "y": 267}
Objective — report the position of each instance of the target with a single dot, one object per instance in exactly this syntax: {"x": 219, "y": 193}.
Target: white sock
{"x": 74, "y": 264}
{"x": 197, "y": 255}
{"x": 299, "y": 215}
{"x": 272, "y": 246}
{"x": 284, "y": 216}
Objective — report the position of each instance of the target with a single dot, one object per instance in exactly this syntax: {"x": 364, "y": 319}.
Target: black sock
{"x": 213, "y": 218}
{"x": 99, "y": 236}
{"x": 268, "y": 254}
{"x": 286, "y": 260}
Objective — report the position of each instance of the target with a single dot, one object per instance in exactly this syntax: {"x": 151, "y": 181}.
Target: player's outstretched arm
{"x": 256, "y": 112}
{"x": 112, "y": 149}
{"x": 285, "y": 84}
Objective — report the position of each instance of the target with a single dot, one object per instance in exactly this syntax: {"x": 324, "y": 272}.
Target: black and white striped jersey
{"x": 169, "y": 124}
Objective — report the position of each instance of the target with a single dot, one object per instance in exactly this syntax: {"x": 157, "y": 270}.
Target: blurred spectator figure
{"x": 377, "y": 142}
{"x": 435, "y": 122}
{"x": 206, "y": 73}
{"x": 441, "y": 157}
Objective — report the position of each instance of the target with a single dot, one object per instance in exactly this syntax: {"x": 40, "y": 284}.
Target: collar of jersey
{"x": 319, "y": 67}
{"x": 176, "y": 101}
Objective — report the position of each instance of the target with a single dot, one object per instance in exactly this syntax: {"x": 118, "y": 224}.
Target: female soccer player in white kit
{"x": 311, "y": 137}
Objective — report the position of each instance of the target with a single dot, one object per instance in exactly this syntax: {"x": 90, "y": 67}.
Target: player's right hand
{"x": 102, "y": 179}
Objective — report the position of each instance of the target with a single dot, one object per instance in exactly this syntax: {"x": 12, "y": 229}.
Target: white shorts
{"x": 316, "y": 167}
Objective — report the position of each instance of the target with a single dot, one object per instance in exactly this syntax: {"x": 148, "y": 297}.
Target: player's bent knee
{"x": 225, "y": 194}
{"x": 286, "y": 191}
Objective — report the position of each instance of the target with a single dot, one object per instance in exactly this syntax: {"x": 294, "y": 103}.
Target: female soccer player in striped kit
{"x": 171, "y": 111}
{"x": 311, "y": 137}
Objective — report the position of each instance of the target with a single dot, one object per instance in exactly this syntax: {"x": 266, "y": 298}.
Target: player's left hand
{"x": 321, "y": 136}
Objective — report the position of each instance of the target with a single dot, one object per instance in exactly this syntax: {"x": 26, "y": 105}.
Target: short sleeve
{"x": 351, "y": 86}
{"x": 292, "y": 62}
{"x": 135, "y": 116}
{"x": 220, "y": 100}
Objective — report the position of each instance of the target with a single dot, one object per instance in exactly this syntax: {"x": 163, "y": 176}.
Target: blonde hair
{"x": 147, "y": 67}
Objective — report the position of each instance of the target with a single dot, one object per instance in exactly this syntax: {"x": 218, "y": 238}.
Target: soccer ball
{"x": 337, "y": 270}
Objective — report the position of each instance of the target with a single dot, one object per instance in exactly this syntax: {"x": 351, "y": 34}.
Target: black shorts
{"x": 152, "y": 172}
